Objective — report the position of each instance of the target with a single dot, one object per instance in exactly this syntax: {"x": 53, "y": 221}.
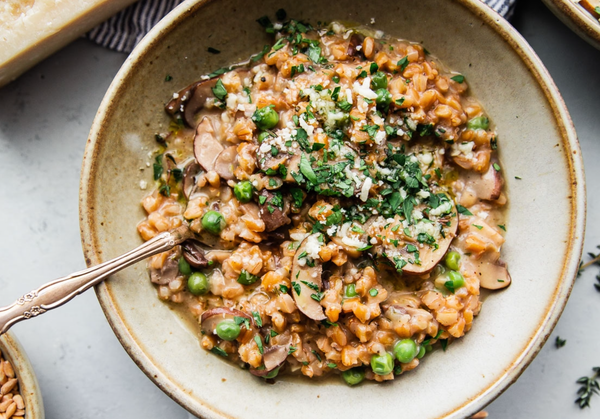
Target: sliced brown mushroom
{"x": 207, "y": 147}
{"x": 211, "y": 318}
{"x": 275, "y": 356}
{"x": 191, "y": 99}
{"x": 190, "y": 172}
{"x": 355, "y": 40}
{"x": 307, "y": 279}
{"x": 194, "y": 254}
{"x": 487, "y": 186}
{"x": 273, "y": 215}
{"x": 429, "y": 256}
{"x": 226, "y": 163}
{"x": 168, "y": 272}
{"x": 493, "y": 276}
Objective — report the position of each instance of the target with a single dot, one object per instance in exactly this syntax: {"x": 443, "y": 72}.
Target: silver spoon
{"x": 58, "y": 292}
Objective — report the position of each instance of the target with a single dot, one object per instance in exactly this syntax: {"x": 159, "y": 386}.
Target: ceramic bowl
{"x": 577, "y": 19}
{"x": 32, "y": 396}
{"x": 546, "y": 214}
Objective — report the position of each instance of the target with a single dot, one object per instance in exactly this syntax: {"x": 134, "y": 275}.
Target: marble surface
{"x": 84, "y": 373}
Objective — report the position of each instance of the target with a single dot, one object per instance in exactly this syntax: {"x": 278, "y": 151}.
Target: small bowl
{"x": 28, "y": 386}
{"x": 578, "y": 19}
{"x": 541, "y": 162}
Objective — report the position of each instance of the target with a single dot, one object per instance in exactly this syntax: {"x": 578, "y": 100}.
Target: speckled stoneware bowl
{"x": 546, "y": 215}
{"x": 577, "y": 19}
{"x": 29, "y": 389}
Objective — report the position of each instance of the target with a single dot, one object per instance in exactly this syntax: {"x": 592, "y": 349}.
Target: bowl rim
{"x": 554, "y": 308}
{"x": 28, "y": 384}
{"x": 577, "y": 19}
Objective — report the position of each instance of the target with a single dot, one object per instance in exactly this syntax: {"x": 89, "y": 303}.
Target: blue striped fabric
{"x": 125, "y": 30}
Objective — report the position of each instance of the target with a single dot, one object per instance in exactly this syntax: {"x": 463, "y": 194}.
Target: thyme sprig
{"x": 594, "y": 261}
{"x": 589, "y": 387}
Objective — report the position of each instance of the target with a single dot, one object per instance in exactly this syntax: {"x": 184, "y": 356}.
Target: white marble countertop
{"x": 45, "y": 117}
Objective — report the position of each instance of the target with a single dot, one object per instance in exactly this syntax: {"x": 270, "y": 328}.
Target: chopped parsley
{"x": 458, "y": 78}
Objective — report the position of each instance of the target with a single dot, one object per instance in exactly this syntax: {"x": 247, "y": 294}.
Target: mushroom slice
{"x": 194, "y": 254}
{"x": 307, "y": 280}
{"x": 226, "y": 163}
{"x": 487, "y": 186}
{"x": 190, "y": 172}
{"x": 191, "y": 99}
{"x": 274, "y": 357}
{"x": 429, "y": 256}
{"x": 274, "y": 210}
{"x": 493, "y": 276}
{"x": 206, "y": 145}
{"x": 355, "y": 40}
{"x": 166, "y": 274}
{"x": 211, "y": 318}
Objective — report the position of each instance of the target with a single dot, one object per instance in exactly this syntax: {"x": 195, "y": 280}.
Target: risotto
{"x": 346, "y": 201}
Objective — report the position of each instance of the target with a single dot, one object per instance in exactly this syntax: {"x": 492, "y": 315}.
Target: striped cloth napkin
{"x": 125, "y": 30}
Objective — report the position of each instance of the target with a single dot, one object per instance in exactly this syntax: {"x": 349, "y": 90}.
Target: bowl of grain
{"x": 539, "y": 157}
{"x": 20, "y": 396}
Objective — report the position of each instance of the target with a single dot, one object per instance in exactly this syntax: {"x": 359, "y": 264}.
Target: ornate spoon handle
{"x": 58, "y": 292}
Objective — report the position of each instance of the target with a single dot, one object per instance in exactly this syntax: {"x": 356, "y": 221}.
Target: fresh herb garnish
{"x": 219, "y": 90}
{"x": 559, "y": 343}
{"x": 589, "y": 387}
{"x": 242, "y": 320}
{"x": 403, "y": 63}
{"x": 296, "y": 286}
{"x": 257, "y": 318}
{"x": 462, "y": 210}
{"x": 218, "y": 351}
{"x": 459, "y": 78}
{"x": 259, "y": 343}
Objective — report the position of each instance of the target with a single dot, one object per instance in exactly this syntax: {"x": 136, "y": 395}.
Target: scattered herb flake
{"x": 462, "y": 210}
{"x": 458, "y": 78}
{"x": 219, "y": 90}
{"x": 257, "y": 318}
{"x": 218, "y": 351}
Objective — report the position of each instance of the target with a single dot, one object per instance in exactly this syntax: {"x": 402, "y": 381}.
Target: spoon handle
{"x": 58, "y": 292}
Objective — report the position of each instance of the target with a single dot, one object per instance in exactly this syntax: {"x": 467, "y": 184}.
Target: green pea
{"x": 455, "y": 281}
{"x": 479, "y": 122}
{"x": 265, "y": 118}
{"x": 198, "y": 283}
{"x": 263, "y": 136}
{"x": 422, "y": 352}
{"x": 213, "y": 222}
{"x": 354, "y": 376}
{"x": 246, "y": 278}
{"x": 273, "y": 373}
{"x": 379, "y": 81}
{"x": 351, "y": 291}
{"x": 453, "y": 260}
{"x": 243, "y": 191}
{"x": 384, "y": 98}
{"x": 228, "y": 330}
{"x": 382, "y": 364}
{"x": 184, "y": 267}
{"x": 406, "y": 350}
